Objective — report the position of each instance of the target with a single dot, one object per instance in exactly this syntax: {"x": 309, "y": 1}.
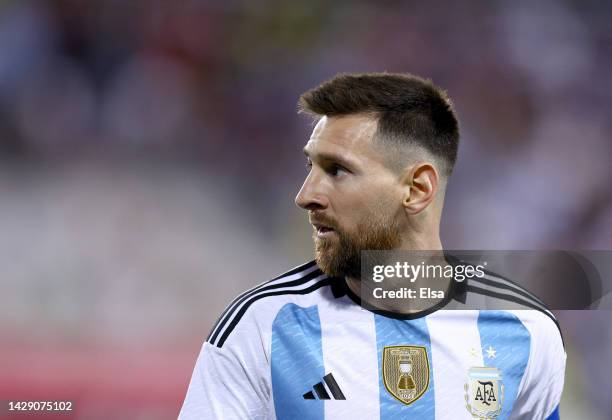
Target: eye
{"x": 335, "y": 169}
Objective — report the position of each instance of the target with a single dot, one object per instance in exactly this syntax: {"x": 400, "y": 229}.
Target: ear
{"x": 421, "y": 185}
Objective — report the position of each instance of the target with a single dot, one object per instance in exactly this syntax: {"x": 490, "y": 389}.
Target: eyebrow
{"x": 331, "y": 157}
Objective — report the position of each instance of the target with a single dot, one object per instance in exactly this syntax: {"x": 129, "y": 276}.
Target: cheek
{"x": 363, "y": 204}
{"x": 362, "y": 200}
{"x": 377, "y": 205}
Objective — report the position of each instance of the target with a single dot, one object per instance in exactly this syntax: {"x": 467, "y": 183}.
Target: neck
{"x": 408, "y": 305}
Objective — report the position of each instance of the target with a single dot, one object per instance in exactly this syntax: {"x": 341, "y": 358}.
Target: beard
{"x": 340, "y": 256}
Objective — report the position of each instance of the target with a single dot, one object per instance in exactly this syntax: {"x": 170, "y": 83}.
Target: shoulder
{"x": 254, "y": 310}
{"x": 496, "y": 292}
{"x": 508, "y": 310}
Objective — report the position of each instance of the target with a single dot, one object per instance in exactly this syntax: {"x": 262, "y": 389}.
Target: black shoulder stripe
{"x": 516, "y": 289}
{"x": 514, "y": 299}
{"x": 243, "y": 295}
{"x": 487, "y": 288}
{"x": 229, "y": 311}
{"x": 296, "y": 270}
{"x": 500, "y": 279}
{"x": 324, "y": 282}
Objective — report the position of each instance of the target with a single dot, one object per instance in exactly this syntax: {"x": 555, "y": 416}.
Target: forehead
{"x": 347, "y": 134}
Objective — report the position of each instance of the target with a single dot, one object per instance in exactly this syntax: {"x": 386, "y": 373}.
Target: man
{"x": 302, "y": 347}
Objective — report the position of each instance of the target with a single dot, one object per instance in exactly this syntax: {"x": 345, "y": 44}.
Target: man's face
{"x": 353, "y": 199}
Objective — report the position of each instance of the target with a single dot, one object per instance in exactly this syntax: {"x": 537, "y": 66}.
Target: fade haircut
{"x": 410, "y": 110}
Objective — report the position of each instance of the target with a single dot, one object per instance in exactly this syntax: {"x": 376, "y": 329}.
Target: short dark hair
{"x": 410, "y": 109}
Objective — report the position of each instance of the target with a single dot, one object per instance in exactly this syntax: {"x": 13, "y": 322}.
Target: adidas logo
{"x": 322, "y": 392}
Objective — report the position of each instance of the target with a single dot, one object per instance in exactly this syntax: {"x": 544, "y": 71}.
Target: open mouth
{"x": 322, "y": 230}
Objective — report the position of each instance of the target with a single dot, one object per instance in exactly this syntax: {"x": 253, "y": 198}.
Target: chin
{"x": 325, "y": 261}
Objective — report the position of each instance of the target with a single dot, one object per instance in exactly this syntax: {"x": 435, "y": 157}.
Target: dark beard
{"x": 342, "y": 257}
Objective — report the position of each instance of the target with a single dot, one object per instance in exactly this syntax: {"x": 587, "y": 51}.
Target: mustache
{"x": 321, "y": 219}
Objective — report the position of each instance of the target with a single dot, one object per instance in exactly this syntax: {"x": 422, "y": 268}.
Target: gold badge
{"x": 405, "y": 371}
{"x": 484, "y": 392}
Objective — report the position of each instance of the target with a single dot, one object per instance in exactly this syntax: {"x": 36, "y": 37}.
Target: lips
{"x": 320, "y": 228}
{"x": 323, "y": 229}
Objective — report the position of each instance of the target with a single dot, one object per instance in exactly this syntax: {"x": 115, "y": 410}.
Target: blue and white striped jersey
{"x": 301, "y": 347}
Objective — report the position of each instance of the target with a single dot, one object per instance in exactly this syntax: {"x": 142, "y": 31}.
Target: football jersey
{"x": 301, "y": 347}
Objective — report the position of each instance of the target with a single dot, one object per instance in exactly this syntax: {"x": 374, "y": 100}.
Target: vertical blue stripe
{"x": 506, "y": 334}
{"x": 394, "y": 332}
{"x": 297, "y": 362}
{"x": 554, "y": 415}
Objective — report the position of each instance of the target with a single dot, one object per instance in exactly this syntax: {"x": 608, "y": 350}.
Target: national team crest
{"x": 405, "y": 372}
{"x": 484, "y": 392}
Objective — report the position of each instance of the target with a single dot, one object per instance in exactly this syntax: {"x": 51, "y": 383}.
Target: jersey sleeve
{"x": 540, "y": 393}
{"x": 230, "y": 381}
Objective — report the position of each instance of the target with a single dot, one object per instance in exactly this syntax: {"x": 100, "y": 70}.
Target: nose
{"x": 310, "y": 196}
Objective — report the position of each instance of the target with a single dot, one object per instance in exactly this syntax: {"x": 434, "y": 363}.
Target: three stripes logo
{"x": 321, "y": 390}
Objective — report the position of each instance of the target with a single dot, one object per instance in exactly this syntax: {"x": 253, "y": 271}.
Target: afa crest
{"x": 405, "y": 372}
{"x": 484, "y": 392}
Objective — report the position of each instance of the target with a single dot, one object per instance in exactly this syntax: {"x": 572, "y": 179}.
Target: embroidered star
{"x": 473, "y": 352}
{"x": 491, "y": 353}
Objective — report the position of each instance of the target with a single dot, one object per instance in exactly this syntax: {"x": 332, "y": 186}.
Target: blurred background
{"x": 150, "y": 152}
